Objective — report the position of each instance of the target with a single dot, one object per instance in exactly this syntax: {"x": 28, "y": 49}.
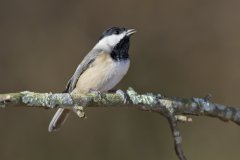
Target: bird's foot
{"x": 122, "y": 94}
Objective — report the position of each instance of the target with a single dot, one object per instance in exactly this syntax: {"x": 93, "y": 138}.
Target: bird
{"x": 100, "y": 70}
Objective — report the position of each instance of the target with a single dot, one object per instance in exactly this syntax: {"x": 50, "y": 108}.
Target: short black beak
{"x": 131, "y": 31}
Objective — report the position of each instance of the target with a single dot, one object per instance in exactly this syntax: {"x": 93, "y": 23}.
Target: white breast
{"x": 104, "y": 74}
{"x": 116, "y": 72}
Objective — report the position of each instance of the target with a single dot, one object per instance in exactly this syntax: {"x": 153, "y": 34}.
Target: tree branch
{"x": 176, "y": 136}
{"x": 174, "y": 109}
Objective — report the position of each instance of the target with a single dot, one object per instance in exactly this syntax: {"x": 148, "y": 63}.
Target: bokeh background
{"x": 182, "y": 48}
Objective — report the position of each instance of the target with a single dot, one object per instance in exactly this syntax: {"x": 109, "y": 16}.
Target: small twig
{"x": 176, "y": 136}
{"x": 182, "y": 118}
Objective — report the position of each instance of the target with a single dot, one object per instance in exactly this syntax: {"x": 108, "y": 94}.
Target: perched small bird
{"x": 102, "y": 68}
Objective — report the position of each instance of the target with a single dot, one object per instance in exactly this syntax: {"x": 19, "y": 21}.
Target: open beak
{"x": 131, "y": 31}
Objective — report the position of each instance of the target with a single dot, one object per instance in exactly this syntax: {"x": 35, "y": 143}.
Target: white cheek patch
{"x": 108, "y": 43}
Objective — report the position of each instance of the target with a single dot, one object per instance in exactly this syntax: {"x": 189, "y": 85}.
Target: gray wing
{"x": 88, "y": 59}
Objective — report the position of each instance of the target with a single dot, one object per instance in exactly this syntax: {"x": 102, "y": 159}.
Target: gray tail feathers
{"x": 58, "y": 119}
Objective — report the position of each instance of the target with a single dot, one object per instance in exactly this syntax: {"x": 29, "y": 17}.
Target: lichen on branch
{"x": 174, "y": 109}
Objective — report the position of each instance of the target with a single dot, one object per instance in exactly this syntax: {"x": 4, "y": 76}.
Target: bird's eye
{"x": 117, "y": 31}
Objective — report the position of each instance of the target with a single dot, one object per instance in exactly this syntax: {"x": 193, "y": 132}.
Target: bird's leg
{"x": 95, "y": 91}
{"x": 111, "y": 91}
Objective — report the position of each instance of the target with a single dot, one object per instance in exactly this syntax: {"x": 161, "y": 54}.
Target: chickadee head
{"x": 113, "y": 36}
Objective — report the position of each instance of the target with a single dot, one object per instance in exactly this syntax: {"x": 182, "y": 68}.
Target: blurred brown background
{"x": 182, "y": 48}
